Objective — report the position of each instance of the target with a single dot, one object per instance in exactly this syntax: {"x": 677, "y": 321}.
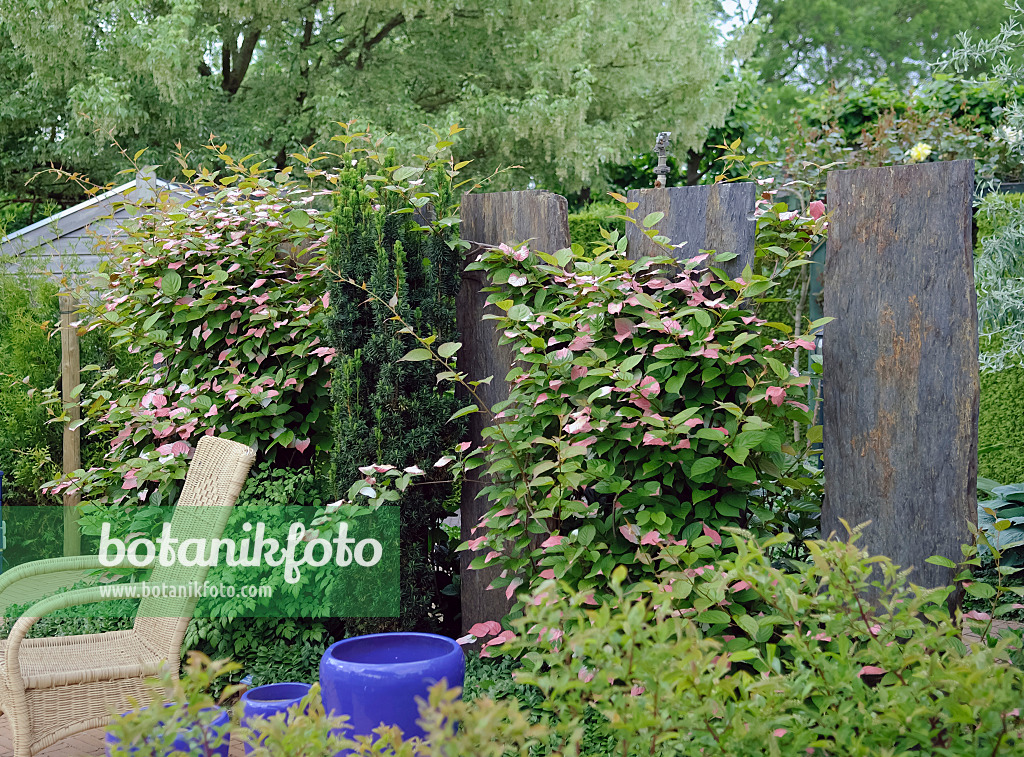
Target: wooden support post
{"x": 717, "y": 217}
{"x": 502, "y": 217}
{"x": 901, "y": 363}
{"x": 69, "y": 371}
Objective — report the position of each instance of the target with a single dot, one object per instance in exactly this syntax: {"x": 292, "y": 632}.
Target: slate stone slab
{"x": 901, "y": 362}
{"x": 492, "y": 219}
{"x": 717, "y": 217}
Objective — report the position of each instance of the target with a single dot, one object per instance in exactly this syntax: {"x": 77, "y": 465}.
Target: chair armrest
{"x": 55, "y": 565}
{"x": 43, "y": 607}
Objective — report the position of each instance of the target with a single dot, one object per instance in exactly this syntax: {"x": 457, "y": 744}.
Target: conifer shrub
{"x": 387, "y": 247}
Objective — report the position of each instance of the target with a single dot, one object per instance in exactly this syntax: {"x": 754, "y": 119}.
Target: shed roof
{"x": 66, "y": 243}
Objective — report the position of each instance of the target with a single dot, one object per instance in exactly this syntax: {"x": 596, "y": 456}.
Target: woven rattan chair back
{"x": 215, "y": 477}
{"x": 52, "y": 688}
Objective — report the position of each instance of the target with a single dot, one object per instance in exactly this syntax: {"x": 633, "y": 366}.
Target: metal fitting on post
{"x": 661, "y": 149}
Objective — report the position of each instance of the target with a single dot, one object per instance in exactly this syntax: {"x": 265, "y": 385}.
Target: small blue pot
{"x": 266, "y": 701}
{"x": 376, "y": 679}
{"x": 189, "y": 737}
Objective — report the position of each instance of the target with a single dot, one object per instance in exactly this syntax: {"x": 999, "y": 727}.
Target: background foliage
{"x": 31, "y": 448}
{"x": 816, "y": 42}
{"x": 563, "y": 90}
{"x": 586, "y": 224}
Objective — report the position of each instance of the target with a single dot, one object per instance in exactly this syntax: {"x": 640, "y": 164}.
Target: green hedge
{"x": 1001, "y": 421}
{"x": 31, "y": 448}
{"x": 1001, "y": 426}
{"x": 585, "y": 226}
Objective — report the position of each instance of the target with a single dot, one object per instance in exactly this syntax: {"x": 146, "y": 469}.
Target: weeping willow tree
{"x": 393, "y": 412}
{"x": 564, "y": 89}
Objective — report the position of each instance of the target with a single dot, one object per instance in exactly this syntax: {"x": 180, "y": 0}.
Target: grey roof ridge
{"x": 68, "y": 212}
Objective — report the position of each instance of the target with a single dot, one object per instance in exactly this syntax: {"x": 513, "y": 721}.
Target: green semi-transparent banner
{"x": 270, "y": 561}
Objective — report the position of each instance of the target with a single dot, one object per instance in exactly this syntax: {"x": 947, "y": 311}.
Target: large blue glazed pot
{"x": 190, "y": 738}
{"x": 376, "y": 679}
{"x": 266, "y": 701}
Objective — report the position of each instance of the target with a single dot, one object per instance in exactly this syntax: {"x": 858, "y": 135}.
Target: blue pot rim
{"x": 329, "y": 658}
{"x": 221, "y": 719}
{"x": 218, "y": 723}
{"x": 269, "y": 687}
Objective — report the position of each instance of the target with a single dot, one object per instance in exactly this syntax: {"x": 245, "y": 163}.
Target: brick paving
{"x": 85, "y": 744}
{"x": 997, "y": 626}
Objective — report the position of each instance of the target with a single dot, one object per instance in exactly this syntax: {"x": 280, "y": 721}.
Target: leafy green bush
{"x": 29, "y": 447}
{"x": 227, "y": 314}
{"x": 645, "y": 409}
{"x": 817, "y": 671}
{"x": 271, "y": 649}
{"x": 670, "y": 379}
{"x": 585, "y": 226}
{"x": 99, "y": 617}
{"x": 1001, "y": 518}
{"x": 488, "y": 729}
{"x": 31, "y": 450}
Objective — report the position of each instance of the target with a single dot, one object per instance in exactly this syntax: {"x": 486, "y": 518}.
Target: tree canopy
{"x": 809, "y": 42}
{"x": 563, "y": 89}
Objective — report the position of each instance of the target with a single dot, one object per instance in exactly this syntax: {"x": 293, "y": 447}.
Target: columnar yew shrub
{"x": 392, "y": 412}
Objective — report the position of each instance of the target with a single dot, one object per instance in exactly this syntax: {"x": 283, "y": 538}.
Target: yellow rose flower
{"x": 920, "y": 152}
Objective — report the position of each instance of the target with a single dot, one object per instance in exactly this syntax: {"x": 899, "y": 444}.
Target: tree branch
{"x": 227, "y": 47}
{"x": 241, "y": 60}
{"x": 368, "y": 44}
{"x": 385, "y": 30}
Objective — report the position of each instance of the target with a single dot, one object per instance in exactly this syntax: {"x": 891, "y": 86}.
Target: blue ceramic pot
{"x": 266, "y": 701}
{"x": 376, "y": 679}
{"x": 190, "y": 737}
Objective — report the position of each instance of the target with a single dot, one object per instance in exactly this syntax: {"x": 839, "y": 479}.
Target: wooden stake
{"x": 69, "y": 371}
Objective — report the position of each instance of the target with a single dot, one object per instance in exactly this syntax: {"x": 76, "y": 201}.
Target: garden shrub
{"x": 223, "y": 298}
{"x": 98, "y": 617}
{"x": 654, "y": 386}
{"x": 31, "y": 448}
{"x": 585, "y": 226}
{"x": 391, "y": 412}
{"x": 268, "y": 646}
{"x": 1001, "y": 519}
{"x": 646, "y": 401}
{"x": 817, "y": 671}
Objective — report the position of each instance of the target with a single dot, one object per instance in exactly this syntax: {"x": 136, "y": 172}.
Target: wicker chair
{"x": 54, "y": 687}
